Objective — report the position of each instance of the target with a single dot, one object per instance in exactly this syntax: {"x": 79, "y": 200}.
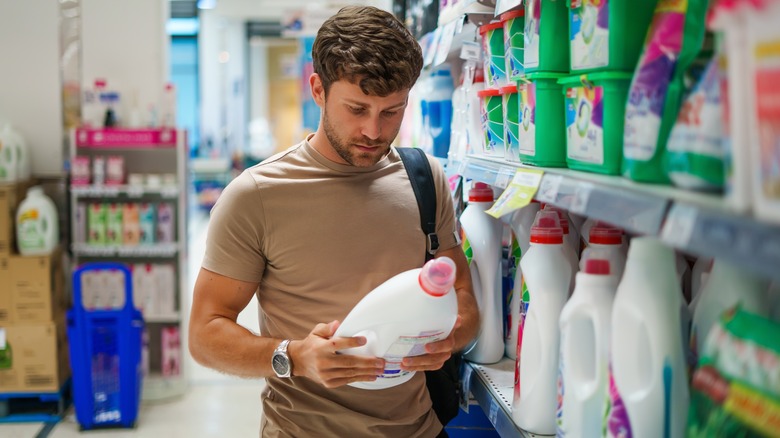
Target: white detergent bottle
{"x": 650, "y": 393}
{"x": 571, "y": 239}
{"x": 481, "y": 242}
{"x": 727, "y": 287}
{"x": 37, "y": 224}
{"x": 400, "y": 316}
{"x": 547, "y": 276}
{"x": 9, "y": 155}
{"x": 521, "y": 222}
{"x": 584, "y": 358}
{"x": 23, "y": 166}
{"x": 608, "y": 241}
{"x": 700, "y": 273}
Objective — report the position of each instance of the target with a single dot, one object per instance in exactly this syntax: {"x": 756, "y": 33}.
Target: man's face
{"x": 359, "y": 128}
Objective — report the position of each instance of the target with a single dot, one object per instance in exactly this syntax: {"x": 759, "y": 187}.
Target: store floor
{"x": 215, "y": 405}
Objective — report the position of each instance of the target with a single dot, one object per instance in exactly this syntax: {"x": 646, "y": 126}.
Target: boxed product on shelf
{"x": 114, "y": 234}
{"x": 542, "y": 123}
{"x": 33, "y": 356}
{"x": 546, "y": 36}
{"x": 166, "y": 223}
{"x": 36, "y": 288}
{"x": 170, "y": 351}
{"x": 146, "y": 219}
{"x": 96, "y": 224}
{"x": 115, "y": 170}
{"x": 595, "y": 107}
{"x": 80, "y": 173}
{"x": 131, "y": 225}
{"x": 5, "y": 285}
{"x": 607, "y": 35}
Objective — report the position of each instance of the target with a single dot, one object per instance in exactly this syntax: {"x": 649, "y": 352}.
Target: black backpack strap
{"x": 420, "y": 175}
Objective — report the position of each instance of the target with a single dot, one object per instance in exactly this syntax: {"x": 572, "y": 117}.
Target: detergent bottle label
{"x": 30, "y": 235}
{"x": 560, "y": 429}
{"x": 584, "y": 124}
{"x": 466, "y": 245}
{"x": 406, "y": 346}
{"x": 615, "y": 423}
{"x": 589, "y": 34}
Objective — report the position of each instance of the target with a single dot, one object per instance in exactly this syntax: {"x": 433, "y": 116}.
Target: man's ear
{"x": 317, "y": 89}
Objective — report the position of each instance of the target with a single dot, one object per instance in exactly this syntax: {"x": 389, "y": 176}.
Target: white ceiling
{"x": 278, "y": 9}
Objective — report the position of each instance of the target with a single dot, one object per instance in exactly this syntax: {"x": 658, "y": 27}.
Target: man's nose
{"x": 372, "y": 127}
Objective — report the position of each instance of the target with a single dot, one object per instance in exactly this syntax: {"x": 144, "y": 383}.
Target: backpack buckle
{"x": 432, "y": 244}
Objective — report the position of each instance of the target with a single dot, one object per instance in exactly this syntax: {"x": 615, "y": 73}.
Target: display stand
{"x": 154, "y": 162}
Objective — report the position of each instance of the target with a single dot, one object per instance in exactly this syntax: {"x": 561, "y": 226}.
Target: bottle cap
{"x": 547, "y": 228}
{"x": 480, "y": 192}
{"x": 604, "y": 234}
{"x": 438, "y": 276}
{"x": 564, "y": 221}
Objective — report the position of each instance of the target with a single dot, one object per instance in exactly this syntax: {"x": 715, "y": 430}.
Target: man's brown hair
{"x": 368, "y": 47}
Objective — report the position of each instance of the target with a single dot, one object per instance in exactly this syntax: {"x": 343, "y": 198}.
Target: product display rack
{"x": 144, "y": 151}
{"x": 696, "y": 223}
{"x": 493, "y": 387}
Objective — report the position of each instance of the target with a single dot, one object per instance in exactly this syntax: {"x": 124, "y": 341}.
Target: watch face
{"x": 280, "y": 364}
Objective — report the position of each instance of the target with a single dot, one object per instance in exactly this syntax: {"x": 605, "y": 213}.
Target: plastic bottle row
{"x": 128, "y": 224}
{"x": 577, "y": 375}
{"x": 111, "y": 170}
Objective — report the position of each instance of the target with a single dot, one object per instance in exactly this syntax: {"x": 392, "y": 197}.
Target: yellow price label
{"x": 518, "y": 194}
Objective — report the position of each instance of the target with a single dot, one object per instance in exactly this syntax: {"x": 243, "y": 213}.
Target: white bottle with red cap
{"x": 400, "y": 316}
{"x": 607, "y": 240}
{"x": 584, "y": 359}
{"x": 481, "y": 240}
{"x": 547, "y": 275}
{"x": 521, "y": 222}
{"x": 571, "y": 240}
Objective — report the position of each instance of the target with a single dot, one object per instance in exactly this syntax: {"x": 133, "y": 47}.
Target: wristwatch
{"x": 280, "y": 361}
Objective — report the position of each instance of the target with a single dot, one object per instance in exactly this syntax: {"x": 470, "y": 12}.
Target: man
{"x": 312, "y": 230}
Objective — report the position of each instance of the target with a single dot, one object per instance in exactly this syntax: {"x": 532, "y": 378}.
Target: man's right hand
{"x": 315, "y": 357}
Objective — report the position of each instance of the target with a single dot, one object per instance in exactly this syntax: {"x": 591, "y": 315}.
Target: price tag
{"x": 445, "y": 43}
{"x": 2, "y": 338}
{"x": 460, "y": 21}
{"x": 505, "y": 5}
{"x": 679, "y": 225}
{"x": 505, "y": 174}
{"x": 548, "y": 190}
{"x": 471, "y": 51}
{"x": 519, "y": 193}
{"x": 581, "y": 198}
{"x": 493, "y": 414}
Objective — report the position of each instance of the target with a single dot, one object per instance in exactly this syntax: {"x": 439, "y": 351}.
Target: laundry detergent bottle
{"x": 37, "y": 224}
{"x": 649, "y": 388}
{"x": 608, "y": 241}
{"x": 521, "y": 222}
{"x": 584, "y": 358}
{"x": 726, "y": 287}
{"x": 400, "y": 316}
{"x": 547, "y": 276}
{"x": 481, "y": 242}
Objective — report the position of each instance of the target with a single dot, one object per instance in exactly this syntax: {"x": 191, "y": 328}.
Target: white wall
{"x": 126, "y": 43}
{"x": 30, "y": 79}
{"x": 223, "y": 82}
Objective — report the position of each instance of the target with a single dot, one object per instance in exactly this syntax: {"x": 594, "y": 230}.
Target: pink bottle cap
{"x": 547, "y": 228}
{"x": 438, "y": 276}
{"x": 481, "y": 192}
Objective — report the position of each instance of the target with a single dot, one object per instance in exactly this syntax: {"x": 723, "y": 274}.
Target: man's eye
{"x": 356, "y": 110}
{"x": 389, "y": 113}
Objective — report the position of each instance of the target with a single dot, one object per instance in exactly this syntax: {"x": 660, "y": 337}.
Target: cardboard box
{"x": 37, "y": 288}
{"x": 33, "y": 357}
{"x": 5, "y": 290}
{"x": 11, "y": 195}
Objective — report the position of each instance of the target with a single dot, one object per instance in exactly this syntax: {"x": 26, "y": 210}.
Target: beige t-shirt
{"x": 319, "y": 236}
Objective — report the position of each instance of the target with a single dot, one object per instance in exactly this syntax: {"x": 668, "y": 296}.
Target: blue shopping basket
{"x": 105, "y": 355}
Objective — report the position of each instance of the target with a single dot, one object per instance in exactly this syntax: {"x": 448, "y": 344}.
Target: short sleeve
{"x": 235, "y": 232}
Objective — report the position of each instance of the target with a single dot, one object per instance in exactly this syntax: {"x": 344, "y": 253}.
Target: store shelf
{"x": 33, "y": 407}
{"x": 697, "y": 223}
{"x": 126, "y": 138}
{"x": 122, "y": 191}
{"x": 155, "y": 250}
{"x": 493, "y": 387}
{"x": 466, "y": 7}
